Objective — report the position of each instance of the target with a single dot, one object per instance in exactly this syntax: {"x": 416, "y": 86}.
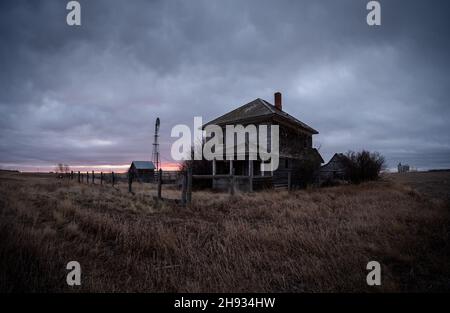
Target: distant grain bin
{"x": 142, "y": 171}
{"x": 403, "y": 168}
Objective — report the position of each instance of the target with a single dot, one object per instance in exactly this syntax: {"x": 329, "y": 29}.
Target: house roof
{"x": 317, "y": 154}
{"x": 307, "y": 153}
{"x": 143, "y": 165}
{"x": 338, "y": 157}
{"x": 336, "y": 160}
{"x": 259, "y": 109}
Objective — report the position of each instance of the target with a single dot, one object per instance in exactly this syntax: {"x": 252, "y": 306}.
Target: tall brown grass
{"x": 317, "y": 240}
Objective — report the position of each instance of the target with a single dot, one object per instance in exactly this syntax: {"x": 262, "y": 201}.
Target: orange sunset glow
{"x": 118, "y": 168}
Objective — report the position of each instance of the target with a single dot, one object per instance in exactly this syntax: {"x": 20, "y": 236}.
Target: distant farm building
{"x": 403, "y": 168}
{"x": 295, "y": 147}
{"x": 333, "y": 170}
{"x": 142, "y": 171}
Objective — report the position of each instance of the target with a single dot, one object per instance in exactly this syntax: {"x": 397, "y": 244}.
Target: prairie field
{"x": 313, "y": 240}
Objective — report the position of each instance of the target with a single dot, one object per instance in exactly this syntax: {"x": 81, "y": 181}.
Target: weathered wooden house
{"x": 142, "y": 171}
{"x": 295, "y": 147}
{"x": 333, "y": 170}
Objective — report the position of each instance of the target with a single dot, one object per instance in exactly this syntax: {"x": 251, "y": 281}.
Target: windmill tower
{"x": 155, "y": 156}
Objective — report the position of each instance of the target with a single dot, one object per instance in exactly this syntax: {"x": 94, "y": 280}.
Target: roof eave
{"x": 295, "y": 124}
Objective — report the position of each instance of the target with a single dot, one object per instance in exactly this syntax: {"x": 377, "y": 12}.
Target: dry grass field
{"x": 315, "y": 240}
{"x": 434, "y": 184}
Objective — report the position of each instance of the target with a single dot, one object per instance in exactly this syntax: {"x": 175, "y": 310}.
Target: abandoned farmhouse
{"x": 298, "y": 160}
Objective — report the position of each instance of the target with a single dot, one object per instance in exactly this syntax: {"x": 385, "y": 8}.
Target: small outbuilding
{"x": 142, "y": 171}
{"x": 334, "y": 169}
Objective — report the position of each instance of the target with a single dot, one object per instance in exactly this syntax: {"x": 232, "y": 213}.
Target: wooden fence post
{"x": 87, "y": 178}
{"x": 130, "y": 181}
{"x": 159, "y": 183}
{"x": 189, "y": 186}
{"x": 79, "y": 177}
{"x": 250, "y": 175}
{"x": 112, "y": 178}
{"x": 101, "y": 178}
{"x": 183, "y": 189}
{"x": 232, "y": 182}
{"x": 289, "y": 181}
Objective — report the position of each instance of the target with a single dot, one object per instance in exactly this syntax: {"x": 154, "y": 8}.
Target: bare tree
{"x": 62, "y": 169}
{"x": 66, "y": 169}
{"x": 59, "y": 168}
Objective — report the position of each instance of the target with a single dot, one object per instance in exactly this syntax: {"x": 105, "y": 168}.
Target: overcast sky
{"x": 89, "y": 95}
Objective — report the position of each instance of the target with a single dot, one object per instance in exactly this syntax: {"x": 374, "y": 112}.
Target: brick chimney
{"x": 278, "y": 105}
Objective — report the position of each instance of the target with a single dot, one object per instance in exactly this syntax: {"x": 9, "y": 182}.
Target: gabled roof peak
{"x": 258, "y": 108}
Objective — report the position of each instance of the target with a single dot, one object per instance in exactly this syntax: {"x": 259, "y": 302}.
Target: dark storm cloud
{"x": 90, "y": 94}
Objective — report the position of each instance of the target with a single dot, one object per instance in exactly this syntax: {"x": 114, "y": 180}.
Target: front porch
{"x": 246, "y": 175}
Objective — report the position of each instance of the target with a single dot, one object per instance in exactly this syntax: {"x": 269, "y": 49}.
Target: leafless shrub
{"x": 363, "y": 166}
{"x": 199, "y": 167}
